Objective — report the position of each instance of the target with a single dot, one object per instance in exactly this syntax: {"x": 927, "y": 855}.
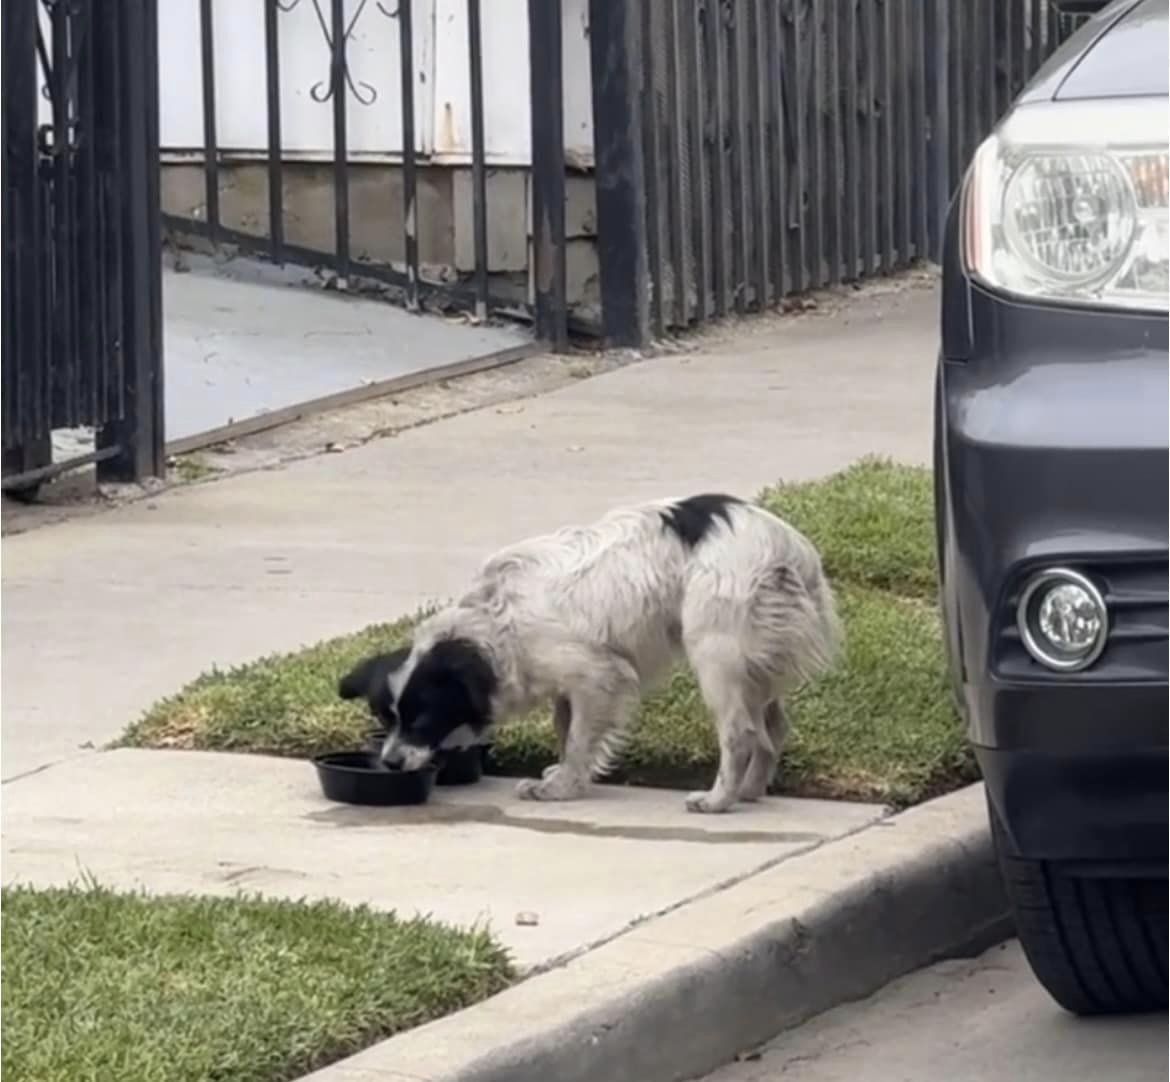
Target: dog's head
{"x": 427, "y": 699}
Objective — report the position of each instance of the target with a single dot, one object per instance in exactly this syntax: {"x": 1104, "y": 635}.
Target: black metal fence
{"x": 758, "y": 148}
{"x": 82, "y": 304}
{"x": 337, "y": 20}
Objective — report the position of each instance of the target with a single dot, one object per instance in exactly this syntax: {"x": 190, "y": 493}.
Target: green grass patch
{"x": 881, "y": 726}
{"x": 100, "y": 986}
{"x": 873, "y": 523}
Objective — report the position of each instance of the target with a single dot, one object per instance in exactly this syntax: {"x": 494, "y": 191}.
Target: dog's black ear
{"x": 363, "y": 681}
{"x": 355, "y": 684}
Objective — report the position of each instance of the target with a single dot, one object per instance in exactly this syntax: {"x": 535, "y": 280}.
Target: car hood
{"x": 1122, "y": 51}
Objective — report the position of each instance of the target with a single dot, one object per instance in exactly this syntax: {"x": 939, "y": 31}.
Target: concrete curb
{"x": 678, "y": 995}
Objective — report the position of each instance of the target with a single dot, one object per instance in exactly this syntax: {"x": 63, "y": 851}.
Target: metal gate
{"x": 337, "y": 21}
{"x": 82, "y": 305}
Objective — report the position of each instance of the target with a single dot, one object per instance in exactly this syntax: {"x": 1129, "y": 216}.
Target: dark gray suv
{"x": 1051, "y": 503}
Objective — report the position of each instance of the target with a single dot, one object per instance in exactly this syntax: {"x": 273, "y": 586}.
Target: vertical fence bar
{"x": 153, "y": 212}
{"x": 712, "y": 39}
{"x": 921, "y": 131}
{"x": 887, "y": 137}
{"x": 870, "y": 43}
{"x": 1005, "y": 53}
{"x": 956, "y": 81}
{"x": 851, "y": 169}
{"x": 798, "y": 199}
{"x": 100, "y": 227}
{"x": 938, "y": 48}
{"x": 275, "y": 150}
{"x": 10, "y": 309}
{"x": 906, "y": 137}
{"x": 614, "y": 47}
{"x": 338, "y": 40}
{"x": 409, "y": 171}
{"x": 976, "y": 83}
{"x": 778, "y": 160}
{"x": 210, "y": 138}
{"x": 832, "y": 126}
{"x": 737, "y": 159}
{"x": 63, "y": 318}
{"x": 700, "y": 178}
{"x": 92, "y": 273}
{"x": 478, "y": 156}
{"x": 1017, "y": 59}
{"x": 990, "y": 80}
{"x": 814, "y": 121}
{"x": 1036, "y": 44}
{"x": 678, "y": 168}
{"x": 23, "y": 269}
{"x": 114, "y": 152}
{"x": 760, "y": 202}
{"x": 652, "y": 153}
{"x": 548, "y": 170}
{"x": 138, "y": 435}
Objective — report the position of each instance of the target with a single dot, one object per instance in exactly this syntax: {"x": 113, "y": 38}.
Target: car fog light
{"x": 1063, "y": 620}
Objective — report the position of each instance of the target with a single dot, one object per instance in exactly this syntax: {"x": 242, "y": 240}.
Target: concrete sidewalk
{"x": 104, "y": 615}
{"x": 219, "y": 824}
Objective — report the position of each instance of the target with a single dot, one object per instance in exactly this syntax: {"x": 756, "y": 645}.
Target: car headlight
{"x": 1067, "y": 201}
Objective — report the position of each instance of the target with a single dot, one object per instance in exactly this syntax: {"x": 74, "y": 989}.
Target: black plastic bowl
{"x": 352, "y": 777}
{"x": 457, "y": 766}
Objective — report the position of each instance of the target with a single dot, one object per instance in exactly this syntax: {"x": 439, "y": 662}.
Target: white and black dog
{"x": 588, "y": 617}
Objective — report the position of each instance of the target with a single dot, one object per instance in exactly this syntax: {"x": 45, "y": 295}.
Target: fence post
{"x": 548, "y": 171}
{"x": 938, "y": 180}
{"x": 27, "y": 442}
{"x": 619, "y": 179}
{"x": 139, "y": 434}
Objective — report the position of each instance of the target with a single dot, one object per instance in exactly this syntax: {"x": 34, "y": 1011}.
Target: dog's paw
{"x": 703, "y": 803}
{"x": 556, "y": 784}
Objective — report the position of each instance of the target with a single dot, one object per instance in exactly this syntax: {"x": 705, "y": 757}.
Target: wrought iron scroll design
{"x": 323, "y": 89}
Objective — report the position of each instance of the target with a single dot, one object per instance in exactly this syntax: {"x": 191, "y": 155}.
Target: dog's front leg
{"x": 590, "y": 713}
{"x": 562, "y": 719}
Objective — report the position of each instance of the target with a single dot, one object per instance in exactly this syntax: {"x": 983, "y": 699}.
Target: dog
{"x": 589, "y": 617}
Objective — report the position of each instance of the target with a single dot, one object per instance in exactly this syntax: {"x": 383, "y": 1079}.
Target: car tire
{"x": 1097, "y": 945}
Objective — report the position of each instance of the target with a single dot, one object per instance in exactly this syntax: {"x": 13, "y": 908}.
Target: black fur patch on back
{"x": 692, "y": 519}
{"x": 450, "y": 686}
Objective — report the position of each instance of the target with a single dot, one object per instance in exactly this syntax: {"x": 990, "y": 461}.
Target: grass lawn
{"x": 881, "y": 727}
{"x": 100, "y": 986}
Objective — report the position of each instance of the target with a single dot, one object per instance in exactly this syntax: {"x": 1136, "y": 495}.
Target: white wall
{"x": 442, "y": 107}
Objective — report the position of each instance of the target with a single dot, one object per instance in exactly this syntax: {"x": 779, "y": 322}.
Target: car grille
{"x": 1135, "y": 592}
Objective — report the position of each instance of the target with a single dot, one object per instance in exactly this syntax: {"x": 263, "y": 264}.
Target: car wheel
{"x": 1098, "y": 945}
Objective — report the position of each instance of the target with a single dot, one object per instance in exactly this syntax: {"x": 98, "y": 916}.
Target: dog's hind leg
{"x": 735, "y": 702}
{"x": 771, "y": 730}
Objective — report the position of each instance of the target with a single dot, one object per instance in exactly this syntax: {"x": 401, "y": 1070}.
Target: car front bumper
{"x": 1051, "y": 450}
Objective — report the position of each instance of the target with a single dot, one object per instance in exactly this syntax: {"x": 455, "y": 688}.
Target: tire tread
{"x": 1097, "y": 945}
